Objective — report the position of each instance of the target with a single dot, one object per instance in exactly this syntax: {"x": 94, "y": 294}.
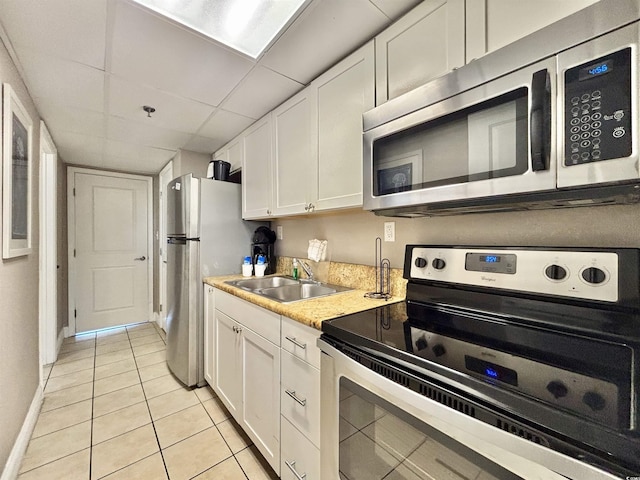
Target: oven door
{"x": 494, "y": 139}
{"x": 374, "y": 429}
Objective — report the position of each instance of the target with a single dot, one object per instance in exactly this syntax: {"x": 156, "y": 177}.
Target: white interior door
{"x": 111, "y": 244}
{"x": 166, "y": 175}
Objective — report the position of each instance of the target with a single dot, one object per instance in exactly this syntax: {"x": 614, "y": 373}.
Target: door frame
{"x": 71, "y": 237}
{"x": 48, "y": 249}
{"x": 162, "y": 247}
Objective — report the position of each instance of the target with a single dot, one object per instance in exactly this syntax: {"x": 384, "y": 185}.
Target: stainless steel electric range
{"x": 501, "y": 363}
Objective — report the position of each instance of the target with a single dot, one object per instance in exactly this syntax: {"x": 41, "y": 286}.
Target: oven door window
{"x": 480, "y": 142}
{"x": 379, "y": 441}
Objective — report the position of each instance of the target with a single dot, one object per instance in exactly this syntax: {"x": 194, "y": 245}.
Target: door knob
{"x": 142, "y": 258}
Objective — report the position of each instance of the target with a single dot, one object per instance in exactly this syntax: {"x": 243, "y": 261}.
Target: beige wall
{"x": 352, "y": 234}
{"x": 187, "y": 161}
{"x": 19, "y": 361}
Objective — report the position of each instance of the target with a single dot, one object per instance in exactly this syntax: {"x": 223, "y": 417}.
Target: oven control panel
{"x": 577, "y": 274}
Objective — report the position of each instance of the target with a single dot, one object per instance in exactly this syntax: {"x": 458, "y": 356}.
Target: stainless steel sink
{"x": 287, "y": 289}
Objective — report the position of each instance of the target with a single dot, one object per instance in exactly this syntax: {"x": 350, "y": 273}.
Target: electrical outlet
{"x": 389, "y": 231}
{"x": 279, "y": 232}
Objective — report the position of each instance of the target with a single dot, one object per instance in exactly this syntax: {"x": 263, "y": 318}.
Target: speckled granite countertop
{"x": 313, "y": 312}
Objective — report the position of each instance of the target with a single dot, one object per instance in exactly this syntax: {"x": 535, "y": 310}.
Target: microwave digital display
{"x": 595, "y": 70}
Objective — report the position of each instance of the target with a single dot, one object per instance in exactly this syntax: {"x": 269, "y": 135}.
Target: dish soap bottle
{"x": 295, "y": 269}
{"x": 247, "y": 268}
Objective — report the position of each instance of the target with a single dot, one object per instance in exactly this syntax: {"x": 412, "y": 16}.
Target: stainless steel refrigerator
{"x": 206, "y": 236}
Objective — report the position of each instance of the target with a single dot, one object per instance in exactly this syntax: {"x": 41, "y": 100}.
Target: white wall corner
{"x": 61, "y": 337}
{"x": 12, "y": 467}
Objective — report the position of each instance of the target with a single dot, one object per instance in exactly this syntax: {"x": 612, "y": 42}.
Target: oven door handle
{"x": 540, "y": 120}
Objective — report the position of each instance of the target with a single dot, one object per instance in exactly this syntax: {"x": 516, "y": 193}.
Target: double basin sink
{"x": 287, "y": 289}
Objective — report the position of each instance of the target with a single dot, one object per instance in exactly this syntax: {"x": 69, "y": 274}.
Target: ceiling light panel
{"x": 247, "y": 26}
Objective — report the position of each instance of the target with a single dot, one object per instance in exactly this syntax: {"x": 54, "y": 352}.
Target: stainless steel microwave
{"x": 548, "y": 121}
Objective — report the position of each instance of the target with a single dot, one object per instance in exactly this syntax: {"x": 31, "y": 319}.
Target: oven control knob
{"x": 555, "y": 272}
{"x": 438, "y": 350}
{"x": 593, "y": 275}
{"x": 438, "y": 263}
{"x": 421, "y": 343}
{"x": 421, "y": 262}
{"x": 557, "y": 389}
{"x": 594, "y": 401}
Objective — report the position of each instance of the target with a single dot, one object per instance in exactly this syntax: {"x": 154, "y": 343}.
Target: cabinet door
{"x": 228, "y": 363}
{"x": 424, "y": 44}
{"x": 209, "y": 328}
{"x": 492, "y": 24}
{"x": 294, "y": 174}
{"x": 261, "y": 397}
{"x": 300, "y": 458}
{"x": 256, "y": 170}
{"x": 342, "y": 95}
{"x": 235, "y": 153}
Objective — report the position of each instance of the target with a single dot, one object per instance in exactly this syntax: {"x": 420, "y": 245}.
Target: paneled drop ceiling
{"x": 91, "y": 65}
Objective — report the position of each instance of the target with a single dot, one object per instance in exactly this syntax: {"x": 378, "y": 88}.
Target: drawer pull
{"x": 296, "y": 343}
{"x": 292, "y": 467}
{"x": 292, "y": 394}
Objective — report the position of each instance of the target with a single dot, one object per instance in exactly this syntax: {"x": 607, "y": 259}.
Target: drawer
{"x": 298, "y": 453}
{"x": 302, "y": 381}
{"x": 261, "y": 321}
{"x": 300, "y": 340}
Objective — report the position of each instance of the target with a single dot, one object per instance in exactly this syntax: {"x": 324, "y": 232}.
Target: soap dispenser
{"x": 295, "y": 269}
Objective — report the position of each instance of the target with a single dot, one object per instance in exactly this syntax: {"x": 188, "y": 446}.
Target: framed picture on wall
{"x": 17, "y": 166}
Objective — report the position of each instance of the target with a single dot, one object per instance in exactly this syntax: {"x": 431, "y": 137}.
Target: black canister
{"x": 221, "y": 170}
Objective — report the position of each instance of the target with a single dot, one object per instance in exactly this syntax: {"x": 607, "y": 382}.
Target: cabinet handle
{"x": 296, "y": 343}
{"x": 292, "y": 467}
{"x": 312, "y": 207}
{"x": 292, "y": 394}
{"x": 237, "y": 329}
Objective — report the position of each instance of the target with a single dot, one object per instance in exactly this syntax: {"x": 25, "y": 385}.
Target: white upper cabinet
{"x": 341, "y": 96}
{"x": 256, "y": 169}
{"x": 232, "y": 152}
{"x": 293, "y": 150}
{"x": 426, "y": 43}
{"x": 492, "y": 24}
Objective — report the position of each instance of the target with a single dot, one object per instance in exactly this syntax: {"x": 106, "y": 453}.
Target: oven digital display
{"x": 491, "y": 262}
{"x": 491, "y": 370}
{"x": 490, "y": 258}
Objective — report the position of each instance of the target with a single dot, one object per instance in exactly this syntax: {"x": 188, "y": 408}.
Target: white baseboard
{"x": 59, "y": 341}
{"x": 12, "y": 467}
{"x": 66, "y": 332}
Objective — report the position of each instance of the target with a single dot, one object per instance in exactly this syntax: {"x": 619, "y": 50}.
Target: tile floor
{"x": 112, "y": 410}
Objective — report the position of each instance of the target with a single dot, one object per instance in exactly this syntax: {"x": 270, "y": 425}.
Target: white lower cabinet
{"x": 209, "y": 341}
{"x": 247, "y": 374}
{"x": 300, "y": 458}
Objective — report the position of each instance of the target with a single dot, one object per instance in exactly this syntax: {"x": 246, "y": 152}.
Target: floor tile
{"x": 365, "y": 459}
{"x": 121, "y": 421}
{"x": 75, "y": 355}
{"x": 160, "y": 386}
{"x": 71, "y": 367}
{"x": 172, "y": 402}
{"x": 397, "y": 437}
{"x": 216, "y": 410}
{"x": 111, "y": 332}
{"x": 137, "y": 341}
{"x": 56, "y": 445}
{"x": 115, "y": 382}
{"x": 151, "y": 359}
{"x": 76, "y": 347}
{"x": 255, "y": 466}
{"x": 113, "y": 357}
{"x": 195, "y": 454}
{"x": 140, "y": 326}
{"x": 120, "y": 337}
{"x": 148, "y": 348}
{"x": 358, "y": 412}
{"x": 142, "y": 332}
{"x": 345, "y": 429}
{"x": 234, "y": 435}
{"x": 401, "y": 472}
{"x": 80, "y": 338}
{"x": 113, "y": 347}
{"x": 205, "y": 393}
{"x": 227, "y": 470}
{"x": 71, "y": 380}
{"x": 54, "y": 420}
{"x": 113, "y": 401}
{"x": 71, "y": 467}
{"x": 66, "y": 396}
{"x": 180, "y": 425}
{"x": 121, "y": 451}
{"x": 115, "y": 368}
{"x": 154, "y": 371}
{"x": 150, "y": 468}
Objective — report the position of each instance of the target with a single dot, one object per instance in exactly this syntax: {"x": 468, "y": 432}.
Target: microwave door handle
{"x": 540, "y": 121}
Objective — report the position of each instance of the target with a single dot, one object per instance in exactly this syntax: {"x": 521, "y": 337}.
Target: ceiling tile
{"x": 70, "y": 119}
{"x": 128, "y": 131}
{"x": 394, "y": 8}
{"x": 63, "y": 82}
{"x": 156, "y": 52}
{"x": 71, "y": 29}
{"x": 260, "y": 91}
{"x": 83, "y": 144}
{"x": 204, "y": 144}
{"x": 224, "y": 125}
{"x": 126, "y": 100}
{"x": 129, "y": 156}
{"x": 326, "y": 32}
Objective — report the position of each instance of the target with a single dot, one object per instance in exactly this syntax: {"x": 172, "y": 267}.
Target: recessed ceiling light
{"x": 248, "y": 26}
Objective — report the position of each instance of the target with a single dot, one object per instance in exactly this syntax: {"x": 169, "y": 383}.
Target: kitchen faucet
{"x": 306, "y": 268}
